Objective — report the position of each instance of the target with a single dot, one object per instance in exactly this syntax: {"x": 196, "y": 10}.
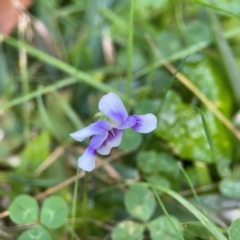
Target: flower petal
{"x": 87, "y": 160}
{"x": 113, "y": 140}
{"x": 112, "y": 106}
{"x": 97, "y": 128}
{"x": 144, "y": 123}
{"x": 129, "y": 123}
{"x": 97, "y": 141}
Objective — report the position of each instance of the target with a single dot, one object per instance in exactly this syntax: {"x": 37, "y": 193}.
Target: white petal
{"x": 112, "y": 106}
{"x": 113, "y": 140}
{"x": 97, "y": 128}
{"x": 87, "y": 160}
{"x": 145, "y": 123}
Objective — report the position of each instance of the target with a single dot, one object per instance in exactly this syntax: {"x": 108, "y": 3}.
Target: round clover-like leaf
{"x": 230, "y": 188}
{"x": 54, "y": 212}
{"x": 158, "y": 180}
{"x": 140, "y": 202}
{"x": 161, "y": 228}
{"x": 234, "y": 230}
{"x": 131, "y": 140}
{"x": 35, "y": 233}
{"x": 128, "y": 230}
{"x": 147, "y": 161}
{"x": 24, "y": 209}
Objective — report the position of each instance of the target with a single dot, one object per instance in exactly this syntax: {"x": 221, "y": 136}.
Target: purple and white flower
{"x": 108, "y": 134}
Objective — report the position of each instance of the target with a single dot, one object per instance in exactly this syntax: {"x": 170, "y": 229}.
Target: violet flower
{"x": 108, "y": 134}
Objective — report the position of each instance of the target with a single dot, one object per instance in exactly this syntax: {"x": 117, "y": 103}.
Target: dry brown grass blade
{"x": 81, "y": 175}
{"x": 187, "y": 83}
{"x": 109, "y": 169}
{"x": 72, "y": 179}
{"x": 210, "y": 105}
{"x": 50, "y": 160}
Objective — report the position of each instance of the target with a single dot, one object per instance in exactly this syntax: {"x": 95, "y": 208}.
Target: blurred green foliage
{"x": 79, "y": 52}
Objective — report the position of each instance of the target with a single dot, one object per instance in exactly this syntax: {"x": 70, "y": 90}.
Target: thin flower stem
{"x": 84, "y": 207}
{"x": 130, "y": 52}
{"x": 74, "y": 206}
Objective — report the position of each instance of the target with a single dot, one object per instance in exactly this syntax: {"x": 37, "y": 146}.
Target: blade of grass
{"x": 43, "y": 90}
{"x": 70, "y": 113}
{"x": 227, "y": 56}
{"x": 200, "y": 216}
{"x": 187, "y": 83}
{"x": 208, "y": 135}
{"x": 190, "y": 184}
{"x": 149, "y": 138}
{"x": 164, "y": 209}
{"x": 69, "y": 81}
{"x": 130, "y": 51}
{"x": 82, "y": 76}
{"x": 170, "y": 84}
{"x": 46, "y": 119}
{"x": 183, "y": 53}
{"x": 214, "y": 8}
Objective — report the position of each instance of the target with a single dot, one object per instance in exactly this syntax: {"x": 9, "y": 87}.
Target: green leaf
{"x": 230, "y": 188}
{"x": 161, "y": 228}
{"x": 234, "y": 230}
{"x": 168, "y": 43}
{"x": 147, "y": 161}
{"x": 152, "y": 162}
{"x": 24, "y": 209}
{"x": 128, "y": 230}
{"x": 196, "y": 229}
{"x": 54, "y": 212}
{"x": 179, "y": 124}
{"x": 197, "y": 31}
{"x": 191, "y": 208}
{"x": 140, "y": 202}
{"x": 157, "y": 180}
{"x": 131, "y": 140}
{"x": 35, "y": 233}
{"x": 35, "y": 153}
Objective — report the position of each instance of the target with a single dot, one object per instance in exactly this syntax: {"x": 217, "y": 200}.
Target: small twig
{"x": 50, "y": 160}
{"x": 72, "y": 179}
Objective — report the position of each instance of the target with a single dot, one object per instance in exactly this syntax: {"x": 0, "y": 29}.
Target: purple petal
{"x": 144, "y": 123}
{"x": 87, "y": 160}
{"x": 129, "y": 123}
{"x": 112, "y": 106}
{"x": 113, "y": 140}
{"x": 97, "y": 128}
{"x": 97, "y": 141}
